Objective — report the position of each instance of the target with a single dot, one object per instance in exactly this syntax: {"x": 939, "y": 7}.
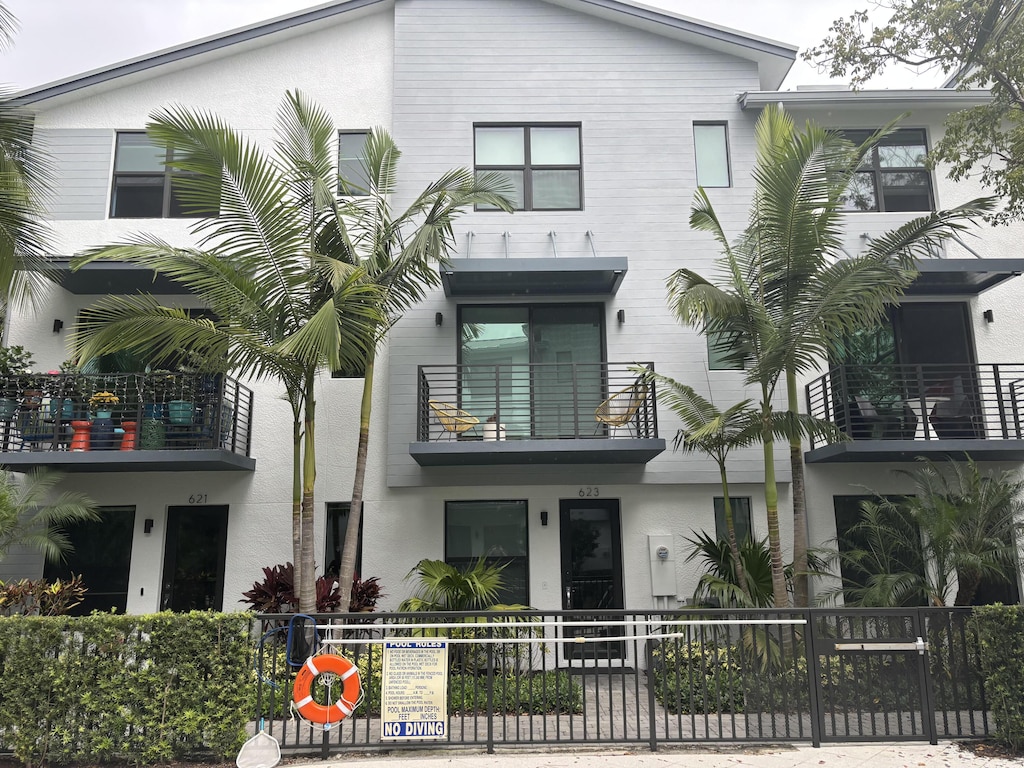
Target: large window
{"x": 337, "y": 528}
{"x": 542, "y": 163}
{"x": 142, "y": 187}
{"x": 495, "y": 531}
{"x": 711, "y": 149}
{"x": 102, "y": 556}
{"x": 740, "y": 518}
{"x": 893, "y": 176}
{"x": 351, "y": 173}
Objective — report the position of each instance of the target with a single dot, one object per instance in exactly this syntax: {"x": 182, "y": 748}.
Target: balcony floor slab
{"x": 495, "y": 452}
{"x": 908, "y": 450}
{"x": 200, "y": 460}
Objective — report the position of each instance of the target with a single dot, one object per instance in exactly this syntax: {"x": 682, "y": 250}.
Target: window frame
{"x": 329, "y": 507}
{"x": 874, "y": 168}
{"x": 527, "y": 168}
{"x": 737, "y": 503}
{"x": 365, "y": 133}
{"x": 166, "y": 188}
{"x": 526, "y": 535}
{"x": 728, "y": 152}
{"x": 717, "y": 352}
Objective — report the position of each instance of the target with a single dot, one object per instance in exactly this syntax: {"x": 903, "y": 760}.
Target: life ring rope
{"x": 338, "y": 668}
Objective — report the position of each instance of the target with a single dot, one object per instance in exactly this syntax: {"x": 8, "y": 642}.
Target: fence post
{"x": 490, "y": 690}
{"x": 927, "y": 690}
{"x": 813, "y": 680}
{"x": 652, "y": 704}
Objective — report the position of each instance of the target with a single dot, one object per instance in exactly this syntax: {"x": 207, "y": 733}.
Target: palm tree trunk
{"x": 307, "y": 587}
{"x": 967, "y": 586}
{"x": 801, "y": 582}
{"x": 771, "y": 498}
{"x": 355, "y": 514}
{"x": 730, "y": 531}
{"x": 296, "y": 502}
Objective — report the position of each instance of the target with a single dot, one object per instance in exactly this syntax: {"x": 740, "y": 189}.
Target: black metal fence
{"x": 531, "y": 678}
{"x": 124, "y": 411}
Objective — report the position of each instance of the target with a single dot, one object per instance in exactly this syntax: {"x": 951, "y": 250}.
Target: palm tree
{"x": 29, "y": 518}
{"x": 286, "y": 308}
{"x": 790, "y": 293}
{"x": 25, "y": 179}
{"x": 399, "y": 253}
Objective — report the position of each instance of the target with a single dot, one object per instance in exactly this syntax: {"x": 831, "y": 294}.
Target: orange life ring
{"x": 325, "y": 664}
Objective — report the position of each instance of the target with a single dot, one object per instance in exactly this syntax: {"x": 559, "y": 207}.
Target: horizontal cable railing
{"x": 124, "y": 411}
{"x": 522, "y": 401}
{"x": 922, "y": 402}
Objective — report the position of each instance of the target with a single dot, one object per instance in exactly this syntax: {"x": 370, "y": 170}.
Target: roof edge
{"x": 187, "y": 50}
{"x": 841, "y": 97}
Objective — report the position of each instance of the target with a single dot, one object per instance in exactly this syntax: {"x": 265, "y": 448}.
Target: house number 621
{"x": 590, "y": 491}
{"x": 197, "y": 498}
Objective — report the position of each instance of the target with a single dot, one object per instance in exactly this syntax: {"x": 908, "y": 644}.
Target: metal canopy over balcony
{"x": 125, "y": 422}
{"x": 544, "y": 413}
{"x": 539, "y": 276}
{"x": 899, "y": 412}
{"x": 962, "y": 277}
{"x": 104, "y": 277}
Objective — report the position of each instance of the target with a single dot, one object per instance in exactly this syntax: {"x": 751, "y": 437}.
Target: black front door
{"x": 591, "y": 546}
{"x": 194, "y": 558}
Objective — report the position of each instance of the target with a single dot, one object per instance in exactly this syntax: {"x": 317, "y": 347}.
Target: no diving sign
{"x": 414, "y": 690}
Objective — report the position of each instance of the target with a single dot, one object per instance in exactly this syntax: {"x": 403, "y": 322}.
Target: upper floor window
{"x": 543, "y": 163}
{"x": 711, "y": 150}
{"x": 893, "y": 176}
{"x": 722, "y": 352}
{"x": 142, "y": 187}
{"x": 353, "y": 179}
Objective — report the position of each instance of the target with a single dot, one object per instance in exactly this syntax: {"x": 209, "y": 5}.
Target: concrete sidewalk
{"x": 875, "y": 755}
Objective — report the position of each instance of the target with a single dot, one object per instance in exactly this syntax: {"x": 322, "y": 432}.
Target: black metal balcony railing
{"x": 66, "y": 412}
{"x": 922, "y": 402}
{"x": 538, "y": 401}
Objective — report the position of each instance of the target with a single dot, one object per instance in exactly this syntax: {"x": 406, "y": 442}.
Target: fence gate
{"x": 872, "y": 675}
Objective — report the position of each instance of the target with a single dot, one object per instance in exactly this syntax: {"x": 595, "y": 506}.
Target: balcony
{"x": 152, "y": 422}
{"x": 899, "y": 412}
{"x": 522, "y": 413}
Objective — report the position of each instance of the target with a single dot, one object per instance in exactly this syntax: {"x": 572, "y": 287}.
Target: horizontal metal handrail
{"x": 517, "y": 401}
{"x": 941, "y": 401}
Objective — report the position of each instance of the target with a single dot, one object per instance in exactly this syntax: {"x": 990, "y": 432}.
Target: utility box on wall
{"x": 663, "y": 565}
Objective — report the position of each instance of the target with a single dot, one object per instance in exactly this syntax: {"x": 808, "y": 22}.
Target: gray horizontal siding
{"x": 81, "y": 164}
{"x": 636, "y": 95}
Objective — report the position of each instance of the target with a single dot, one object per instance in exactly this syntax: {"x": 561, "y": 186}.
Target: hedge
{"x": 130, "y": 689}
{"x": 1000, "y": 629}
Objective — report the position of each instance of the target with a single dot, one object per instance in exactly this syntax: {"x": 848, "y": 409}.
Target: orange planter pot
{"x": 80, "y": 435}
{"x": 128, "y": 441}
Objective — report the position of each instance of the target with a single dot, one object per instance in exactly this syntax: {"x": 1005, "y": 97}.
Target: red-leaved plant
{"x": 276, "y": 593}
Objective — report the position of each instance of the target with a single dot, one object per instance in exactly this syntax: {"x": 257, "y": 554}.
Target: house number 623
{"x": 590, "y": 491}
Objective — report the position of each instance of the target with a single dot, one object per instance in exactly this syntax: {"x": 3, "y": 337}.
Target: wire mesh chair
{"x": 454, "y": 421}
{"x": 620, "y": 409}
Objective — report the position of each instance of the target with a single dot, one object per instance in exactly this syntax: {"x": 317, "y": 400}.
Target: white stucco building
{"x": 608, "y": 116}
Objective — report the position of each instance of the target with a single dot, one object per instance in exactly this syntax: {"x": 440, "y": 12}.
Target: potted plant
{"x": 101, "y": 405}
{"x": 63, "y": 389}
{"x": 15, "y": 364}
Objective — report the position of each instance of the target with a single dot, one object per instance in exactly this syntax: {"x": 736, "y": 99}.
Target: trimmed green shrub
{"x": 130, "y": 689}
{"x": 697, "y": 677}
{"x": 1000, "y": 629}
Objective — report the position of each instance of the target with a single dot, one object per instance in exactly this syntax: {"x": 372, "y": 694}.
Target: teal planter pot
{"x": 65, "y": 409}
{"x": 8, "y": 407}
{"x": 180, "y": 412}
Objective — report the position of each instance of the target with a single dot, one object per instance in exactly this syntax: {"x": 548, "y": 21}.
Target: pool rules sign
{"x": 414, "y": 690}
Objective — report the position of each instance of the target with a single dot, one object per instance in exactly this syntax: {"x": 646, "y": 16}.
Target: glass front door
{"x": 194, "y": 553}
{"x": 591, "y": 573}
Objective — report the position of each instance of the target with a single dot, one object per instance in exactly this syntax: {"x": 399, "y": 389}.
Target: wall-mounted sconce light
{"x": 543, "y": 517}
{"x": 57, "y": 325}
{"x": 147, "y": 525}
{"x": 621, "y": 315}
{"x": 438, "y": 319}
{"x": 988, "y": 315}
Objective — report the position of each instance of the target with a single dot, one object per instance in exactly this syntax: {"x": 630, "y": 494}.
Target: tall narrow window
{"x": 102, "y": 556}
{"x": 496, "y": 532}
{"x": 543, "y": 163}
{"x": 711, "y": 148}
{"x": 337, "y": 528}
{"x": 143, "y": 185}
{"x": 740, "y": 518}
{"x": 351, "y": 153}
{"x": 893, "y": 176}
{"x": 721, "y": 353}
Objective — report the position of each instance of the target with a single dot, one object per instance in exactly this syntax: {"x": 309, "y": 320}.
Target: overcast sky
{"x": 60, "y": 38}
